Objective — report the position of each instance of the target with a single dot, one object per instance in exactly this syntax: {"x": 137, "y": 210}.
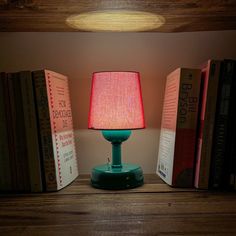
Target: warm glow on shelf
{"x": 116, "y": 20}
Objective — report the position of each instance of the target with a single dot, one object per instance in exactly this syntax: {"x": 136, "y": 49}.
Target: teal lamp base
{"x": 106, "y": 177}
{"x": 116, "y": 175}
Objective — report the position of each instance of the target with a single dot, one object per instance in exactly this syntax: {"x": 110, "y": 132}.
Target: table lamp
{"x": 116, "y": 108}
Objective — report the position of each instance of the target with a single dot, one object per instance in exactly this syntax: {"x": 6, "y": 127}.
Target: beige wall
{"x": 77, "y": 55}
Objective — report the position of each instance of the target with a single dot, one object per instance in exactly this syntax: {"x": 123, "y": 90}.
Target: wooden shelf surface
{"x": 180, "y": 16}
{"x": 153, "y": 209}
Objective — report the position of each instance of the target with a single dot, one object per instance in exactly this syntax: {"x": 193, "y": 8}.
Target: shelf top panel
{"x": 180, "y": 16}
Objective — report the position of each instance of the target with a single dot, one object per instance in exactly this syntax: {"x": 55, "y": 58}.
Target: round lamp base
{"x": 106, "y": 177}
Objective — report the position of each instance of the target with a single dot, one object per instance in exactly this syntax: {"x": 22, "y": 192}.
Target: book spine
{"x": 232, "y": 137}
{"x": 31, "y": 131}
{"x": 45, "y": 130}
{"x": 219, "y": 158}
{"x": 61, "y": 128}
{"x": 10, "y": 128}
{"x": 5, "y": 167}
{"x": 228, "y": 180}
{"x": 18, "y": 134}
{"x": 189, "y": 90}
{"x": 210, "y": 81}
{"x": 168, "y": 128}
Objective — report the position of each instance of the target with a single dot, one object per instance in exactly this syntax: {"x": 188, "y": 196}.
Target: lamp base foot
{"x": 106, "y": 177}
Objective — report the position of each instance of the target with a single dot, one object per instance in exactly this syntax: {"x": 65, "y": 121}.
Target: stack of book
{"x": 37, "y": 149}
{"x": 198, "y": 132}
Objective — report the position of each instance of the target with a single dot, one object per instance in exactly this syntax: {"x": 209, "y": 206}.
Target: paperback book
{"x": 56, "y": 129}
{"x": 178, "y": 128}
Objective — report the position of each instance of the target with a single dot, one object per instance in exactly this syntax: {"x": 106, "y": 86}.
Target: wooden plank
{"x": 181, "y": 16}
{"x": 128, "y": 214}
{"x": 152, "y": 209}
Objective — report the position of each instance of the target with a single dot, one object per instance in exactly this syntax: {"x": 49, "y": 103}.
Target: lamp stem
{"x": 116, "y": 137}
{"x": 116, "y": 155}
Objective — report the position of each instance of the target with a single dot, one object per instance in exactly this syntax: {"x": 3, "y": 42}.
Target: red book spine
{"x": 184, "y": 155}
{"x": 210, "y": 81}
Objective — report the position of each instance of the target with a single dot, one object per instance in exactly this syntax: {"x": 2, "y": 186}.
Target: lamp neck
{"x": 116, "y": 155}
{"x": 116, "y": 137}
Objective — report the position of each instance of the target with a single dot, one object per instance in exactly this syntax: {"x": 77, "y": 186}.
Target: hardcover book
{"x": 209, "y": 88}
{"x": 178, "y": 127}
{"x": 232, "y": 137}
{"x": 230, "y": 168}
{"x": 223, "y": 138}
{"x": 27, "y": 100}
{"x": 56, "y": 129}
{"x": 5, "y": 164}
{"x": 17, "y": 134}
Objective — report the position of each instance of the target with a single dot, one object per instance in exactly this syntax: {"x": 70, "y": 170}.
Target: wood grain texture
{"x": 153, "y": 209}
{"x": 181, "y": 16}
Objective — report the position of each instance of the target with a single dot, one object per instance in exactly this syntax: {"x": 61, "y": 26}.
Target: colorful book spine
{"x": 210, "y": 81}
{"x": 178, "y": 128}
{"x": 222, "y": 134}
{"x": 31, "y": 131}
{"x": 56, "y": 129}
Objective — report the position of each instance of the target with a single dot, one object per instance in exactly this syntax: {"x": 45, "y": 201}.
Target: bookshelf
{"x": 153, "y": 209}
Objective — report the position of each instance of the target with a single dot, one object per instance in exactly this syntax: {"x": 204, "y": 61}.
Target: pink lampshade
{"x": 116, "y": 101}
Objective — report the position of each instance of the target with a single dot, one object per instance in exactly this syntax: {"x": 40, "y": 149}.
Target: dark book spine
{"x": 31, "y": 131}
{"x": 9, "y": 124}
{"x": 230, "y": 166}
{"x": 219, "y": 158}
{"x": 19, "y": 136}
{"x": 45, "y": 130}
{"x": 5, "y": 165}
{"x": 18, "y": 181}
